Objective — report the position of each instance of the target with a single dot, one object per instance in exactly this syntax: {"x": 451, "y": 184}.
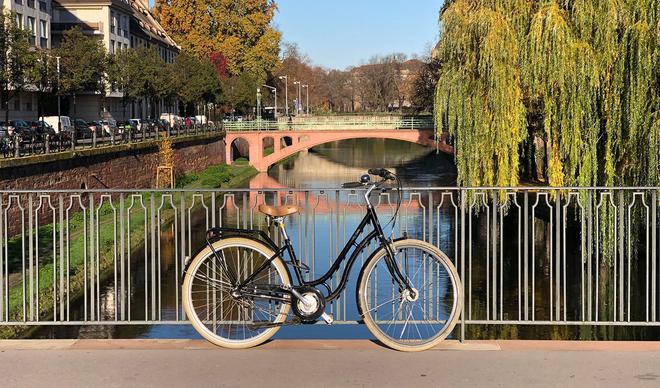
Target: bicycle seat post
{"x": 279, "y": 223}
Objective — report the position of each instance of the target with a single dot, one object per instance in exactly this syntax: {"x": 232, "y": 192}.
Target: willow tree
{"x": 590, "y": 68}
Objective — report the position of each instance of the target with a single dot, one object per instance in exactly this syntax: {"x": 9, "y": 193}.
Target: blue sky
{"x": 342, "y": 33}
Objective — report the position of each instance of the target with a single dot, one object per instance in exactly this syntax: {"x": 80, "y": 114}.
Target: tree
{"x": 16, "y": 59}
{"x": 195, "y": 80}
{"x": 42, "y": 76}
{"x": 239, "y": 30}
{"x": 590, "y": 67}
{"x": 138, "y": 73}
{"x": 239, "y": 92}
{"x": 424, "y": 85}
{"x": 82, "y": 64}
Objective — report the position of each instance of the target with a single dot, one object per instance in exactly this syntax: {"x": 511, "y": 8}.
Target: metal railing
{"x": 526, "y": 256}
{"x": 35, "y": 143}
{"x": 340, "y": 123}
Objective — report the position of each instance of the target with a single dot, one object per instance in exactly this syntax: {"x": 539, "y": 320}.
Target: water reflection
{"x": 327, "y": 166}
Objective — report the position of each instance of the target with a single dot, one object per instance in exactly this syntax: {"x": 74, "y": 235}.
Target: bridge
{"x": 265, "y": 143}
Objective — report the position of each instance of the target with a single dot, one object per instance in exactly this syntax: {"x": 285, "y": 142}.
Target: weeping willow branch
{"x": 592, "y": 67}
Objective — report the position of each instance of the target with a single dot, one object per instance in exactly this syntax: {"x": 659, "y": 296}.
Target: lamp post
{"x": 59, "y": 94}
{"x": 306, "y": 99}
{"x": 299, "y": 98}
{"x": 275, "y": 91}
{"x": 286, "y": 93}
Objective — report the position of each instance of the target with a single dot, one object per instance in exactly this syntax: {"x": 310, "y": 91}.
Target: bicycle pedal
{"x": 328, "y": 318}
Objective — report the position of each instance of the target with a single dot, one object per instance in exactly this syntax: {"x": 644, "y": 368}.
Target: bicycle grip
{"x": 351, "y": 185}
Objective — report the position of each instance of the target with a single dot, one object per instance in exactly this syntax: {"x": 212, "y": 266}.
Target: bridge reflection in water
{"x": 527, "y": 257}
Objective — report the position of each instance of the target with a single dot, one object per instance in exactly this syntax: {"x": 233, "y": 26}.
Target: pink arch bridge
{"x": 254, "y": 144}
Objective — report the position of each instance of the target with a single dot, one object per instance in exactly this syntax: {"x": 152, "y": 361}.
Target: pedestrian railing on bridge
{"x": 526, "y": 256}
{"x": 341, "y": 123}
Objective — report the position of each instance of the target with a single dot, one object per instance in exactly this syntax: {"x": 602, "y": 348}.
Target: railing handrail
{"x": 284, "y": 189}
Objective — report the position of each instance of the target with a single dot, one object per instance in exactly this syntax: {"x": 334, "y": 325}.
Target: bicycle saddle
{"x": 279, "y": 211}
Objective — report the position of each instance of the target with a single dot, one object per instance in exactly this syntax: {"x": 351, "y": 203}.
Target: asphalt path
{"x": 292, "y": 363}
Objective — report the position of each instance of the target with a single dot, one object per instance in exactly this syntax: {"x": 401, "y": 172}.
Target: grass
{"x": 216, "y": 176}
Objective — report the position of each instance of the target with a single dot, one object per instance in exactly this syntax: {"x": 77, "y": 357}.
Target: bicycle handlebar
{"x": 383, "y": 173}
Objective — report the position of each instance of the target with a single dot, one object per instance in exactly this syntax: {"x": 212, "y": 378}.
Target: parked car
{"x": 67, "y": 125}
{"x": 82, "y": 129}
{"x": 23, "y": 130}
{"x": 110, "y": 127}
{"x": 136, "y": 123}
{"x": 95, "y": 126}
{"x": 171, "y": 118}
{"x": 44, "y": 128}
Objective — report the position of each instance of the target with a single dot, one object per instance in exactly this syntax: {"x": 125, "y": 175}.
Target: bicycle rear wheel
{"x": 410, "y": 321}
{"x": 228, "y": 320}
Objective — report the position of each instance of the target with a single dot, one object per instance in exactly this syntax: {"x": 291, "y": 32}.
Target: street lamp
{"x": 286, "y": 92}
{"x": 275, "y": 91}
{"x": 299, "y": 98}
{"x": 307, "y": 98}
{"x": 59, "y": 94}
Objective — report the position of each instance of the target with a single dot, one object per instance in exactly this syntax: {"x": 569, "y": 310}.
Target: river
{"x": 327, "y": 166}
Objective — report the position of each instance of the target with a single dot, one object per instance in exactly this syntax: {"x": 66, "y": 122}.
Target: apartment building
{"x": 34, "y": 16}
{"x": 118, "y": 24}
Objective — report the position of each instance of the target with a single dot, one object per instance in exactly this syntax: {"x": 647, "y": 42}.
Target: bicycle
{"x": 237, "y": 291}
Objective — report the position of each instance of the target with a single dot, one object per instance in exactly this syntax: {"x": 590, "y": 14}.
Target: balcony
{"x": 88, "y": 28}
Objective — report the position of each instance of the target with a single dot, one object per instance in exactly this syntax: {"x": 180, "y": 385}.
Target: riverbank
{"x": 41, "y": 285}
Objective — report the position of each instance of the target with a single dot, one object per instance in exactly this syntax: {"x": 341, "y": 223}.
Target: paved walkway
{"x": 192, "y": 363}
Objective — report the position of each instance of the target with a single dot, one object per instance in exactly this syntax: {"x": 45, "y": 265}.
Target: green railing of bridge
{"x": 374, "y": 123}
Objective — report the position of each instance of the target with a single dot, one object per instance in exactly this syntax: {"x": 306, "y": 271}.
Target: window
{"x": 43, "y": 29}
{"x": 19, "y": 20}
{"x": 112, "y": 46}
{"x": 18, "y": 2}
{"x": 30, "y": 3}
{"x": 32, "y": 26}
{"x": 28, "y": 106}
{"x": 42, "y": 6}
{"x": 113, "y": 22}
{"x": 17, "y": 103}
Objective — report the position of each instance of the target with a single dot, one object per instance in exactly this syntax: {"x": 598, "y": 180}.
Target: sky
{"x": 342, "y": 33}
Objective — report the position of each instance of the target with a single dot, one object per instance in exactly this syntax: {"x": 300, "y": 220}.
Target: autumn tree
{"x": 15, "y": 61}
{"x": 82, "y": 64}
{"x": 240, "y": 30}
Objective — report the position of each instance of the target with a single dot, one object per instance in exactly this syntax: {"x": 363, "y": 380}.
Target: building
{"x": 119, "y": 24}
{"x": 34, "y": 16}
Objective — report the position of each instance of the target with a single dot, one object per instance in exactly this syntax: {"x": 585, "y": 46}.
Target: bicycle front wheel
{"x": 230, "y": 320}
{"x": 404, "y": 320}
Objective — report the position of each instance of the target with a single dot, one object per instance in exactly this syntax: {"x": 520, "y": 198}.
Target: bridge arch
{"x": 239, "y": 147}
{"x": 301, "y": 140}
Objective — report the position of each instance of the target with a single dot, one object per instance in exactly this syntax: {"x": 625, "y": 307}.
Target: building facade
{"x": 34, "y": 16}
{"x": 118, "y": 24}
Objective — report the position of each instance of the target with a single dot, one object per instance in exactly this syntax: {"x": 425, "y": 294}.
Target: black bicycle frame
{"x": 377, "y": 233}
